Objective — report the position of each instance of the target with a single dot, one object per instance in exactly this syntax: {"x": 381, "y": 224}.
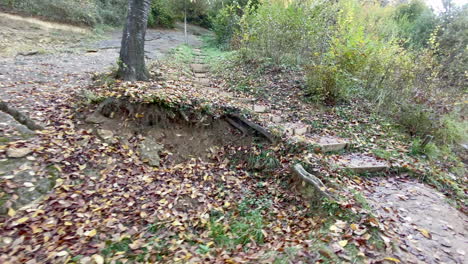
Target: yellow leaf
{"x": 425, "y": 233}
{"x": 91, "y": 233}
{"x": 22, "y": 220}
{"x": 393, "y": 259}
{"x": 176, "y": 223}
{"x": 11, "y": 212}
{"x": 354, "y": 227}
{"x": 98, "y": 259}
{"x": 343, "y": 243}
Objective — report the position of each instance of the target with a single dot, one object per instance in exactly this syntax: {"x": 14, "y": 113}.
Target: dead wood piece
{"x": 20, "y": 117}
{"x": 311, "y": 179}
{"x": 254, "y": 126}
{"x": 236, "y": 125}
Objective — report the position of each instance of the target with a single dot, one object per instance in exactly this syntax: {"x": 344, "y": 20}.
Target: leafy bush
{"x": 416, "y": 22}
{"x": 161, "y": 14}
{"x": 226, "y": 23}
{"x": 403, "y": 59}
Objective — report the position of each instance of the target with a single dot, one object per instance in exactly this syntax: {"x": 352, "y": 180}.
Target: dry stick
{"x": 21, "y": 118}
{"x": 236, "y": 125}
{"x": 426, "y": 141}
{"x": 255, "y": 127}
{"x": 309, "y": 178}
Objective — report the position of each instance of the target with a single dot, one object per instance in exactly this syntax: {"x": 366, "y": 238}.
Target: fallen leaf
{"x": 90, "y": 233}
{"x": 425, "y": 233}
{"x": 343, "y": 243}
{"x": 22, "y": 220}
{"x": 98, "y": 259}
{"x": 393, "y": 259}
{"x": 11, "y": 212}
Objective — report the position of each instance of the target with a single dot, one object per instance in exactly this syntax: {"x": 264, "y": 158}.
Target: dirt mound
{"x": 178, "y": 134}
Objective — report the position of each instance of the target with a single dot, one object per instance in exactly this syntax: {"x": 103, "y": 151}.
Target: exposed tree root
{"x": 315, "y": 182}
{"x": 20, "y": 117}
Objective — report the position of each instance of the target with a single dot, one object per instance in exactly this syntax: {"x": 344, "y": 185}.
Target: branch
{"x": 236, "y": 125}
{"x": 18, "y": 116}
{"x": 312, "y": 180}
{"x": 254, "y": 126}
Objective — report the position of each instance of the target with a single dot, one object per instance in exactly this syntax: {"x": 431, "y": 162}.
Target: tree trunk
{"x": 132, "y": 52}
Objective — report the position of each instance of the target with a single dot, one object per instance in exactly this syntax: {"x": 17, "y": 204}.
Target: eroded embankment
{"x": 172, "y": 134}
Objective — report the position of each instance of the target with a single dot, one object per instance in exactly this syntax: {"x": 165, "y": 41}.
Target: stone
{"x": 259, "y": 108}
{"x": 209, "y": 89}
{"x": 200, "y": 75}
{"x": 329, "y": 143}
{"x": 276, "y": 119}
{"x": 18, "y": 152}
{"x": 107, "y": 136}
{"x": 204, "y": 81}
{"x": 96, "y": 118}
{"x": 227, "y": 94}
{"x": 361, "y": 163}
{"x": 300, "y": 131}
{"x": 149, "y": 151}
{"x": 199, "y": 68}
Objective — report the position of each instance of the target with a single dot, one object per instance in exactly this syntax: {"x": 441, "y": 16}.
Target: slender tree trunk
{"x": 185, "y": 22}
{"x": 132, "y": 52}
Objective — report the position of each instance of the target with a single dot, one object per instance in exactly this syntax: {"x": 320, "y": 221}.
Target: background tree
{"x": 132, "y": 65}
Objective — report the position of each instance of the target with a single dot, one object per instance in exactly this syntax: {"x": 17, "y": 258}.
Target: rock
{"x": 361, "y": 163}
{"x": 199, "y": 68}
{"x": 259, "y": 108}
{"x": 329, "y": 143}
{"x": 300, "y": 131}
{"x": 107, "y": 136}
{"x": 276, "y": 119}
{"x": 149, "y": 151}
{"x": 96, "y": 118}
{"x": 18, "y": 152}
{"x": 204, "y": 81}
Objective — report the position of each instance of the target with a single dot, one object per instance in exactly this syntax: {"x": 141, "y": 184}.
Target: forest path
{"x": 41, "y": 63}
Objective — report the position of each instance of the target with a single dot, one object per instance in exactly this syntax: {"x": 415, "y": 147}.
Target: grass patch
{"x": 240, "y": 227}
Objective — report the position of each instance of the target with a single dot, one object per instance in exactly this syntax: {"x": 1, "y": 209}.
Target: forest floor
{"x": 96, "y": 199}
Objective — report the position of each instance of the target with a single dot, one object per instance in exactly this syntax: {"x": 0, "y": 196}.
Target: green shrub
{"x": 161, "y": 14}
{"x": 416, "y": 22}
{"x": 226, "y": 23}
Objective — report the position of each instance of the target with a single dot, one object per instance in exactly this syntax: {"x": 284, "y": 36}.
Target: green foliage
{"x": 161, "y": 14}
{"x": 416, "y": 22}
{"x": 264, "y": 160}
{"x": 242, "y": 227}
{"x": 429, "y": 150}
{"x": 452, "y": 41}
{"x": 226, "y": 23}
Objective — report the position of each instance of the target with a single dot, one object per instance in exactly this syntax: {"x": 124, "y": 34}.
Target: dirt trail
{"x": 39, "y": 60}
{"x": 429, "y": 228}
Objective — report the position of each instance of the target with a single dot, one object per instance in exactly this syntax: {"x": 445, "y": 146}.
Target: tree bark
{"x": 132, "y": 65}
